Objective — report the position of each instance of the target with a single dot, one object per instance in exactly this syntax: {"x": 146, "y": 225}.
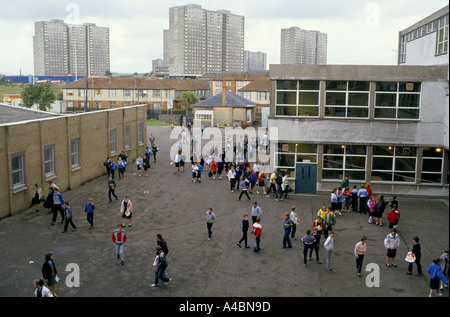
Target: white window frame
{"x": 113, "y": 141}
{"x": 128, "y": 137}
{"x": 20, "y": 170}
{"x": 49, "y": 161}
{"x": 75, "y": 153}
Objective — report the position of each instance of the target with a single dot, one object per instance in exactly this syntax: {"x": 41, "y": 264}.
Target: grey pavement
{"x": 175, "y": 207}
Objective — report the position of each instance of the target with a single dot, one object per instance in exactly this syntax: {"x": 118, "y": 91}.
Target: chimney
{"x": 224, "y": 96}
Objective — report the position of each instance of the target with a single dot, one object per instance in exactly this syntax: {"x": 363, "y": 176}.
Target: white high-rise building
{"x": 201, "y": 41}
{"x": 255, "y": 61}
{"x": 62, "y": 49}
{"x": 300, "y": 46}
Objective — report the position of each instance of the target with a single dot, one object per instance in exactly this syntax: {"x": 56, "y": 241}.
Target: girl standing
{"x": 38, "y": 197}
{"x": 126, "y": 209}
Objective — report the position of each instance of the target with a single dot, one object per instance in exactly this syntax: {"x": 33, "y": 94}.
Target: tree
{"x": 41, "y": 94}
{"x": 187, "y": 98}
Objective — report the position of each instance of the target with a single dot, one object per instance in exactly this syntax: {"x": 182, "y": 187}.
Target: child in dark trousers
{"x": 416, "y": 250}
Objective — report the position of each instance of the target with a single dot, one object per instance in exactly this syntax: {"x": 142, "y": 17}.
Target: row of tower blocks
{"x": 198, "y": 41}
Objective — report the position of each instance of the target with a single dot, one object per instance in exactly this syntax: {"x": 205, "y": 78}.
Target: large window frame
{"x": 339, "y": 161}
{"x": 432, "y": 165}
{"x": 297, "y": 98}
{"x": 397, "y": 100}
{"x": 442, "y": 36}
{"x": 340, "y": 97}
{"x": 289, "y": 154}
{"x": 400, "y": 171}
{"x": 75, "y": 153}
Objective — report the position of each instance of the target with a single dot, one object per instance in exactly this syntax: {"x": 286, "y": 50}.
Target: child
{"x": 68, "y": 217}
{"x": 316, "y": 235}
{"x": 244, "y": 231}
{"x": 392, "y": 217}
{"x": 194, "y": 172}
{"x": 372, "y": 211}
{"x": 347, "y": 199}
{"x": 416, "y": 250}
{"x": 119, "y": 238}
{"x": 139, "y": 163}
{"x": 436, "y": 275}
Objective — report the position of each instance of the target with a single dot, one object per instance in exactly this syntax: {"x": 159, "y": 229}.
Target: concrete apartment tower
{"x": 201, "y": 41}
{"x": 300, "y": 46}
{"x": 62, "y": 49}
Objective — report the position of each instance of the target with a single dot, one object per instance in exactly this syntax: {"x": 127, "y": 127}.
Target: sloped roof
{"x": 257, "y": 85}
{"x": 144, "y": 83}
{"x": 232, "y": 100}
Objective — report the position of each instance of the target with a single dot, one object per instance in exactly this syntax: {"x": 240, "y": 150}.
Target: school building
{"x": 37, "y": 146}
{"x": 384, "y": 125}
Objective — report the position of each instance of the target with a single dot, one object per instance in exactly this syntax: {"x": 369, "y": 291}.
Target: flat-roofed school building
{"x": 36, "y": 147}
{"x": 384, "y": 125}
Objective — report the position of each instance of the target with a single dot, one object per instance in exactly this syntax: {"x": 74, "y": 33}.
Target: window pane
{"x": 335, "y": 98}
{"x": 356, "y": 175}
{"x": 286, "y": 160}
{"x": 308, "y": 98}
{"x": 287, "y": 84}
{"x": 308, "y": 85}
{"x": 405, "y": 164}
{"x": 358, "y": 112}
{"x": 355, "y": 149}
{"x": 404, "y": 177}
{"x": 431, "y": 178}
{"x": 408, "y": 113}
{"x": 286, "y": 147}
{"x": 405, "y": 151}
{"x": 432, "y": 152}
{"x": 305, "y": 158}
{"x": 358, "y": 85}
{"x": 358, "y": 99}
{"x": 409, "y": 100}
{"x": 382, "y": 163}
{"x": 308, "y": 111}
{"x": 384, "y": 113}
{"x": 335, "y": 111}
{"x": 332, "y": 174}
{"x": 336, "y": 85}
{"x": 383, "y": 150}
{"x": 286, "y": 111}
{"x": 355, "y": 162}
{"x": 409, "y": 87}
{"x": 432, "y": 165}
{"x": 333, "y": 149}
{"x": 331, "y": 161}
{"x": 381, "y": 176}
{"x": 386, "y": 86}
{"x": 307, "y": 148}
{"x": 286, "y": 97}
{"x": 386, "y": 100}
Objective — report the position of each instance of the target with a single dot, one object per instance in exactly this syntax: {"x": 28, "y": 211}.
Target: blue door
{"x": 305, "y": 178}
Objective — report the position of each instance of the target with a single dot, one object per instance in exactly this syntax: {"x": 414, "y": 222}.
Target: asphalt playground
{"x": 172, "y": 205}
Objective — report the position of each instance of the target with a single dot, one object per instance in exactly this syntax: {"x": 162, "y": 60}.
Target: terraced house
{"x": 106, "y": 93}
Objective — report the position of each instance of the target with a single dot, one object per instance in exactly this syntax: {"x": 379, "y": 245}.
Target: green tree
{"x": 41, "y": 94}
{"x": 187, "y": 99}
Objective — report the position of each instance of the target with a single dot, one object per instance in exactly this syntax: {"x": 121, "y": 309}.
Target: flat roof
{"x": 13, "y": 114}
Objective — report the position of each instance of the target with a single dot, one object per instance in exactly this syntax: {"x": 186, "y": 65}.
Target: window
{"x": 339, "y": 161}
{"x": 262, "y": 95}
{"x": 297, "y": 98}
{"x": 75, "y": 153}
{"x": 112, "y": 93}
{"x": 288, "y": 154}
{"x": 127, "y": 93}
{"x": 141, "y": 133}
{"x": 397, "y": 100}
{"x": 432, "y": 165}
{"x": 69, "y": 92}
{"x": 128, "y": 137}
{"x": 49, "y": 161}
{"x": 18, "y": 170}
{"x": 348, "y": 99}
{"x": 113, "y": 141}
{"x": 394, "y": 164}
{"x": 442, "y": 36}
{"x": 97, "y": 93}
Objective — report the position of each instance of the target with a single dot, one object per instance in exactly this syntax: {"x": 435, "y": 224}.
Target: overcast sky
{"x": 359, "y": 32}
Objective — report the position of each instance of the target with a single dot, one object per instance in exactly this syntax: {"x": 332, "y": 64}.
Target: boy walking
{"x": 68, "y": 217}
{"x": 210, "y": 218}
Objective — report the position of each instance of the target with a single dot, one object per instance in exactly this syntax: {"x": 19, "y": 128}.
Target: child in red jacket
{"x": 393, "y": 217}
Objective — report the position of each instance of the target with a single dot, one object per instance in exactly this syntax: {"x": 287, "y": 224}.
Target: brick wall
{"x": 93, "y": 131}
